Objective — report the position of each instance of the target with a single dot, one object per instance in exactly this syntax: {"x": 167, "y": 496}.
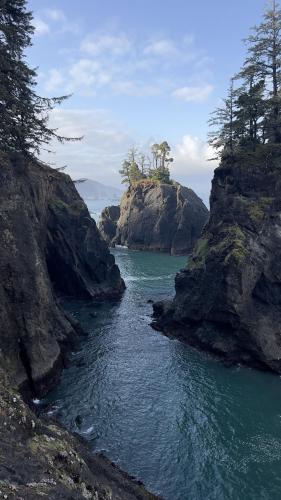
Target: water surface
{"x": 185, "y": 425}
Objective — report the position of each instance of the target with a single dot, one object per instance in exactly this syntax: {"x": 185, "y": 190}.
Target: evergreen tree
{"x": 125, "y": 172}
{"x": 135, "y": 172}
{"x": 223, "y": 118}
{"x": 135, "y": 167}
{"x": 265, "y": 57}
{"x": 23, "y": 114}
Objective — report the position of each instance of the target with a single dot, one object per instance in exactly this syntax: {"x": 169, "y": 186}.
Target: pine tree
{"x": 23, "y": 114}
{"x": 125, "y": 172}
{"x": 135, "y": 172}
{"x": 224, "y": 137}
{"x": 265, "y": 57}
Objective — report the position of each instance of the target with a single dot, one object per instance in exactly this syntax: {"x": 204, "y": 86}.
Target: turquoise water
{"x": 180, "y": 421}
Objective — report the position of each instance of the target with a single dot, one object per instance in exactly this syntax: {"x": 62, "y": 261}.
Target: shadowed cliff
{"x": 228, "y": 299}
{"x": 49, "y": 246}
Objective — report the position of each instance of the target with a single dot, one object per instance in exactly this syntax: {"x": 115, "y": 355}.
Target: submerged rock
{"x": 228, "y": 299}
{"x": 159, "y": 217}
{"x": 50, "y": 246}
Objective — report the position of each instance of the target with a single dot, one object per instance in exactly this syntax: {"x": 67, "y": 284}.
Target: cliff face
{"x": 228, "y": 299}
{"x": 108, "y": 223}
{"x": 49, "y": 245}
{"x": 159, "y": 217}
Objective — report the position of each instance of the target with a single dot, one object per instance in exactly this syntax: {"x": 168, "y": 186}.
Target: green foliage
{"x": 251, "y": 113}
{"x": 137, "y": 167}
{"x": 23, "y": 114}
{"x": 233, "y": 244}
{"x": 258, "y": 209}
{"x": 200, "y": 253}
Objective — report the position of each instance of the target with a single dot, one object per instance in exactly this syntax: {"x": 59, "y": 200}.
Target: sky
{"x": 139, "y": 72}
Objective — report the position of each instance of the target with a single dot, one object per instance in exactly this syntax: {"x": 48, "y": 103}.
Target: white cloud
{"x": 54, "y": 21}
{"x": 191, "y": 166}
{"x": 198, "y": 93}
{"x": 192, "y": 154}
{"x": 54, "y": 80}
{"x": 162, "y": 48}
{"x": 135, "y": 88}
{"x": 99, "y": 155}
{"x": 41, "y": 28}
{"x": 114, "y": 45}
{"x": 55, "y": 14}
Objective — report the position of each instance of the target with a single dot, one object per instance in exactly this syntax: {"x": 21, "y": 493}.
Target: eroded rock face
{"x": 49, "y": 246}
{"x": 228, "y": 299}
{"x": 158, "y": 217}
{"x": 108, "y": 223}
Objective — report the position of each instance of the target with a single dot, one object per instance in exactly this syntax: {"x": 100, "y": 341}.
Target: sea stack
{"x": 228, "y": 299}
{"x": 156, "y": 216}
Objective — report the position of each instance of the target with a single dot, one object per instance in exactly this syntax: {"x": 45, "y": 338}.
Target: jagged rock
{"x": 108, "y": 223}
{"x": 40, "y": 459}
{"x": 159, "y": 217}
{"x": 228, "y": 299}
{"x": 49, "y": 246}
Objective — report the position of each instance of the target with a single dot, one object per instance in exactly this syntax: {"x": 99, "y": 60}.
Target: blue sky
{"x": 140, "y": 71}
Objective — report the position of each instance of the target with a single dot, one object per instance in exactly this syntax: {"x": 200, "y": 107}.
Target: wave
{"x": 149, "y": 278}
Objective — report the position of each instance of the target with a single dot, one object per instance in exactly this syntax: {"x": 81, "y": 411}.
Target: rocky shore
{"x": 156, "y": 217}
{"x": 50, "y": 247}
{"x": 228, "y": 298}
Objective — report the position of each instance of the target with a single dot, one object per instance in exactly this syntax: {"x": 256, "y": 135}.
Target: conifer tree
{"x": 23, "y": 114}
{"x": 223, "y": 118}
{"x": 125, "y": 172}
{"x": 265, "y": 56}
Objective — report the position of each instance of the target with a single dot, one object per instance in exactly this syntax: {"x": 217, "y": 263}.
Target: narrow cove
{"x": 177, "y": 419}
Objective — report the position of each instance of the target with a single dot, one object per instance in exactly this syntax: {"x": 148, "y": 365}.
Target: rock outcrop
{"x": 228, "y": 299}
{"x": 40, "y": 459}
{"x": 50, "y": 246}
{"x": 108, "y": 223}
{"x": 158, "y": 217}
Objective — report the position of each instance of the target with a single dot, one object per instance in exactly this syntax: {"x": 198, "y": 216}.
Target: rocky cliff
{"x": 108, "y": 223}
{"x": 159, "y": 217}
{"x": 228, "y": 299}
{"x": 49, "y": 246}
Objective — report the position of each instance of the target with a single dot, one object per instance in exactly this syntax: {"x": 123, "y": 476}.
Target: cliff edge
{"x": 228, "y": 299}
{"x": 50, "y": 246}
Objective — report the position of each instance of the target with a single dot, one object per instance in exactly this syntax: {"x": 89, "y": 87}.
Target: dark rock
{"x": 159, "y": 217}
{"x": 40, "y": 459}
{"x": 49, "y": 246}
{"x": 108, "y": 224}
{"x": 78, "y": 421}
{"x": 228, "y": 299}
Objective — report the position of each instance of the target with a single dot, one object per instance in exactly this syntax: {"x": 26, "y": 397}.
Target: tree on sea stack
{"x": 135, "y": 169}
{"x": 24, "y": 115}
